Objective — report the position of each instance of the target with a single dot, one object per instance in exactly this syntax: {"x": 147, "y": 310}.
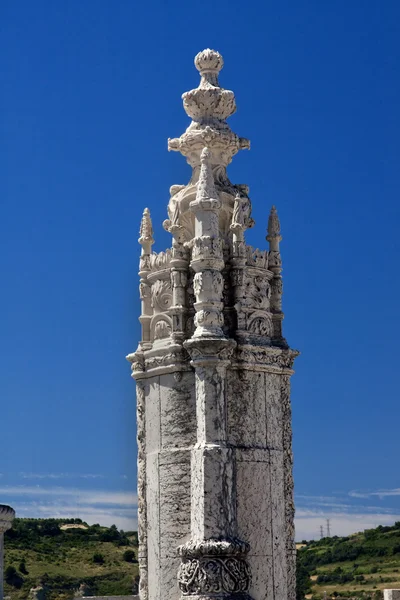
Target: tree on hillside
{"x": 13, "y": 578}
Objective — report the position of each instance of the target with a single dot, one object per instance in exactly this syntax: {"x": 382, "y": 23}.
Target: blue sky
{"x": 90, "y": 94}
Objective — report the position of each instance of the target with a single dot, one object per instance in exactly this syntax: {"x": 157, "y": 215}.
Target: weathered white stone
{"x": 175, "y": 501}
{"x": 391, "y": 594}
{"x": 7, "y": 515}
{"x": 247, "y": 421}
{"x": 212, "y": 368}
{"x": 254, "y": 510}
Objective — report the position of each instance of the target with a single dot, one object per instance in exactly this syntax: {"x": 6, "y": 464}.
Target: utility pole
{"x": 321, "y": 529}
{"x": 328, "y": 528}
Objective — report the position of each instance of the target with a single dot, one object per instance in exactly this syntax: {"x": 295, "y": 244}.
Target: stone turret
{"x": 7, "y": 515}
{"x": 213, "y": 371}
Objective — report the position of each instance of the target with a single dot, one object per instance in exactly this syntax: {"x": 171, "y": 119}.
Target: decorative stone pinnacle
{"x": 146, "y": 231}
{"x": 274, "y": 226}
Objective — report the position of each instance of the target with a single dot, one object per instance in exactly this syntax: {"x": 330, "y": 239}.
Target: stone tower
{"x": 213, "y": 374}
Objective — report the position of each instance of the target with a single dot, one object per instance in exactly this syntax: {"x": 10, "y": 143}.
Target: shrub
{"x": 129, "y": 556}
{"x": 22, "y": 568}
{"x": 98, "y": 558}
{"x": 12, "y": 578}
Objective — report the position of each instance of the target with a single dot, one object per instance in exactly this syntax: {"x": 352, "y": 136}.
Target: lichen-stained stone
{"x": 175, "y": 501}
{"x": 213, "y": 505}
{"x": 278, "y": 525}
{"x": 262, "y": 580}
{"x": 253, "y": 493}
{"x": 153, "y": 422}
{"x": 247, "y": 419}
{"x": 274, "y": 411}
{"x": 153, "y": 527}
{"x": 215, "y": 462}
{"x": 178, "y": 411}
{"x": 168, "y": 570}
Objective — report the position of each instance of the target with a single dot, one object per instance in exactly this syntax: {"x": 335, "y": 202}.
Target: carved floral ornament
{"x": 214, "y": 567}
{"x": 229, "y": 575}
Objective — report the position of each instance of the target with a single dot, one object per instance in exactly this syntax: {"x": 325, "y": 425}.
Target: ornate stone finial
{"x": 209, "y": 105}
{"x": 274, "y": 226}
{"x": 146, "y": 232}
{"x": 209, "y": 100}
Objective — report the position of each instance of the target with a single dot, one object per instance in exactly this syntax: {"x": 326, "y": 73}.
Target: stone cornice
{"x": 261, "y": 358}
{"x": 198, "y": 352}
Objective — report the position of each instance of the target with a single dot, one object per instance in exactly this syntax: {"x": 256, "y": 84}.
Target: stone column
{"x": 213, "y": 564}
{"x": 215, "y": 481}
{"x": 7, "y": 515}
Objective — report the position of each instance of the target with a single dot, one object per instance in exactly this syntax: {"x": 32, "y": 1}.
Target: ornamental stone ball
{"x": 208, "y": 60}
{"x": 212, "y": 371}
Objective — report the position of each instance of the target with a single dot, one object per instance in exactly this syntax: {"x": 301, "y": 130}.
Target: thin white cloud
{"x": 120, "y": 507}
{"x": 93, "y": 506}
{"x": 90, "y": 497}
{"x": 61, "y": 475}
{"x": 378, "y": 493}
{"x": 328, "y": 503}
{"x": 308, "y": 522}
{"x": 346, "y": 512}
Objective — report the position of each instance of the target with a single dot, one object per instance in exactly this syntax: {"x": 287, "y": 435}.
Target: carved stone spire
{"x": 274, "y": 237}
{"x": 146, "y": 232}
{"x": 275, "y": 266}
{"x": 274, "y": 225}
{"x": 146, "y": 241}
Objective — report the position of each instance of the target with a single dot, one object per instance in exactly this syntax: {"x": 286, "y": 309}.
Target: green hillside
{"x": 62, "y": 556}
{"x": 358, "y": 566}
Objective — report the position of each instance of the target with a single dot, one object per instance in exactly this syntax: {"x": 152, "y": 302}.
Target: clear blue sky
{"x": 90, "y": 92}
